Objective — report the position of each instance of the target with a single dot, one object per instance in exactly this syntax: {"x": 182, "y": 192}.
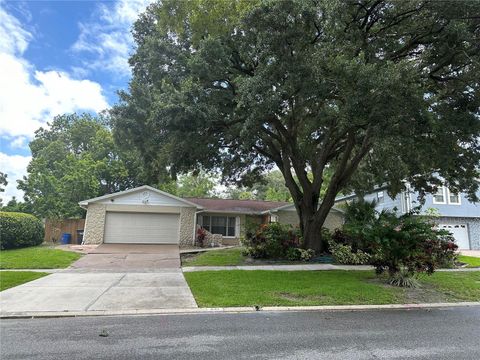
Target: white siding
{"x": 144, "y": 197}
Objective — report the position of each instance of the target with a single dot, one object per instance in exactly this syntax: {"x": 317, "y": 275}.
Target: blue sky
{"x": 58, "y": 57}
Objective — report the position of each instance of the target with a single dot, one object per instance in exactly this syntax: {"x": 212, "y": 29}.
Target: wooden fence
{"x": 55, "y": 228}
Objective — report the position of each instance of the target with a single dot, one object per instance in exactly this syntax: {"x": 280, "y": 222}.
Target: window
{"x": 273, "y": 218}
{"x": 444, "y": 196}
{"x": 205, "y": 223}
{"x": 224, "y": 225}
{"x": 439, "y": 197}
{"x": 453, "y": 198}
{"x": 380, "y": 197}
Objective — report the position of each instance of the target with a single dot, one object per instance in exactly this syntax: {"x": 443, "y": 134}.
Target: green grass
{"x": 222, "y": 257}
{"x": 37, "y": 257}
{"x": 456, "y": 286}
{"x": 248, "y": 288}
{"x": 470, "y": 260}
{"x": 10, "y": 279}
{"x": 295, "y": 288}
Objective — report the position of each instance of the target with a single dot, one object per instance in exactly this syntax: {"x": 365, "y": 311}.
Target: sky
{"x": 57, "y": 57}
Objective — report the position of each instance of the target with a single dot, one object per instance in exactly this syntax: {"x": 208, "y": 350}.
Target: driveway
{"x": 112, "y": 278}
{"x": 131, "y": 258}
{"x": 474, "y": 253}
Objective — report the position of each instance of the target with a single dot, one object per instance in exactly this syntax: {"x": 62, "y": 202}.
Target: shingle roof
{"x": 240, "y": 206}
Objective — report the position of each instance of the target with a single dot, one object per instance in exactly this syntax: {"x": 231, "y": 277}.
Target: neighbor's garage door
{"x": 141, "y": 228}
{"x": 460, "y": 233}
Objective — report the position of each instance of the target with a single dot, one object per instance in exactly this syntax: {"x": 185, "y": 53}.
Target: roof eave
{"x": 85, "y": 203}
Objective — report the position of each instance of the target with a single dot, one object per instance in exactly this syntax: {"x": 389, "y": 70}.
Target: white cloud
{"x": 19, "y": 142}
{"x": 15, "y": 166}
{"x": 108, "y": 37}
{"x": 13, "y": 38}
{"x": 29, "y": 97}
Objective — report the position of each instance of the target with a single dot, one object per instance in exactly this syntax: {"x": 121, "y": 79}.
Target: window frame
{"x": 444, "y": 193}
{"x": 381, "y": 199}
{"x": 449, "y": 193}
{"x": 209, "y": 225}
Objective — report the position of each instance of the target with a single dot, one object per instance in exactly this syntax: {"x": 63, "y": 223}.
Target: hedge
{"x": 19, "y": 230}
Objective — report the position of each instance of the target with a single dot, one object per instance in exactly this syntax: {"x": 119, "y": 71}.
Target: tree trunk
{"x": 312, "y": 217}
{"x": 312, "y": 235}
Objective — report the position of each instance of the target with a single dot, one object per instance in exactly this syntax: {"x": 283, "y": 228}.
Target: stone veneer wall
{"x": 473, "y": 225}
{"x": 187, "y": 218}
{"x": 94, "y": 224}
{"x": 333, "y": 221}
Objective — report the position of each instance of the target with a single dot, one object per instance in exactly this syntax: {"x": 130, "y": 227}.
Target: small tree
{"x": 407, "y": 246}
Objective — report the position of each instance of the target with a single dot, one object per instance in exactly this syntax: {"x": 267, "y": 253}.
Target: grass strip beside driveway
{"x": 470, "y": 260}
{"x": 10, "y": 279}
{"x": 337, "y": 287}
{"x": 224, "y": 257}
{"x": 37, "y": 257}
{"x": 456, "y": 286}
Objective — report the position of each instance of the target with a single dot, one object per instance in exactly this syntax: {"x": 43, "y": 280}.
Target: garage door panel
{"x": 460, "y": 233}
{"x": 141, "y": 228}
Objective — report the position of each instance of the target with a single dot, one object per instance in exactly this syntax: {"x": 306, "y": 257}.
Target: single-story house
{"x": 145, "y": 215}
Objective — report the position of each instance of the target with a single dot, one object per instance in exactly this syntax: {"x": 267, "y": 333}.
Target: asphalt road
{"x": 395, "y": 334}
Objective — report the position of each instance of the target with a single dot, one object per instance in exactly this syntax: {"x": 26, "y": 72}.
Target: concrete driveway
{"x": 130, "y": 257}
{"x": 474, "y": 253}
{"x": 113, "y": 278}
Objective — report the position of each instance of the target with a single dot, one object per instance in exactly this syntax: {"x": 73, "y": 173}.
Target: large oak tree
{"x": 370, "y": 91}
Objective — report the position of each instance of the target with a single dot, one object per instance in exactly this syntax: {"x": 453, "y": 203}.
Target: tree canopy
{"x": 375, "y": 91}
{"x": 73, "y": 160}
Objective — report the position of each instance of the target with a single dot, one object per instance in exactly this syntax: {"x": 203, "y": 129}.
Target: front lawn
{"x": 471, "y": 261}
{"x": 456, "y": 286}
{"x": 37, "y": 257}
{"x": 223, "y": 257}
{"x": 295, "y": 288}
{"x": 235, "y": 257}
{"x": 10, "y": 279}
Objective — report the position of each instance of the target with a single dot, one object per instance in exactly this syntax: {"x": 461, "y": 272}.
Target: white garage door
{"x": 460, "y": 233}
{"x": 141, "y": 228}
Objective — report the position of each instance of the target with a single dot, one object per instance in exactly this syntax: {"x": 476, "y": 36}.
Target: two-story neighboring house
{"x": 455, "y": 212}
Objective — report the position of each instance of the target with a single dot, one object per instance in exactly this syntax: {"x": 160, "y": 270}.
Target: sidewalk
{"x": 312, "y": 267}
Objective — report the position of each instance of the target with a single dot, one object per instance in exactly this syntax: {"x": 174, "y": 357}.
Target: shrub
{"x": 409, "y": 245}
{"x": 297, "y": 254}
{"x": 201, "y": 236}
{"x": 344, "y": 254}
{"x": 19, "y": 230}
{"x": 271, "y": 240}
{"x": 402, "y": 246}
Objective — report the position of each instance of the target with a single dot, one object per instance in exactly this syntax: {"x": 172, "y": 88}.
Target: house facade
{"x": 453, "y": 212}
{"x": 146, "y": 215}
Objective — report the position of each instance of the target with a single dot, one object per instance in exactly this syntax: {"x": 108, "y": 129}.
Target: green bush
{"x": 19, "y": 230}
{"x": 297, "y": 254}
{"x": 401, "y": 246}
{"x": 271, "y": 241}
{"x": 344, "y": 254}
{"x": 409, "y": 245}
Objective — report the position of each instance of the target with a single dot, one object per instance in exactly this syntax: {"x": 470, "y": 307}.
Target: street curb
{"x": 231, "y": 310}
